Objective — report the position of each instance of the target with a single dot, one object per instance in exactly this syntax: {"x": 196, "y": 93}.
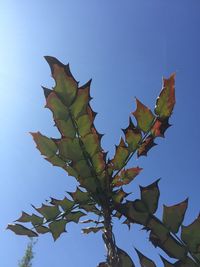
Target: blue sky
{"x": 126, "y": 47}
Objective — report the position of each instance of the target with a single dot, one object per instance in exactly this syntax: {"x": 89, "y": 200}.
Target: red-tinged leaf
{"x": 91, "y": 143}
{"x": 146, "y": 146}
{"x": 173, "y": 215}
{"x": 121, "y": 155}
{"x": 133, "y": 136}
{"x": 19, "y": 229}
{"x": 145, "y": 261}
{"x": 59, "y": 110}
{"x": 166, "y": 100}
{"x": 98, "y": 162}
{"x": 66, "y": 86}
{"x": 191, "y": 235}
{"x": 45, "y": 145}
{"x": 150, "y": 196}
{"x": 144, "y": 116}
{"x": 57, "y": 228}
{"x": 126, "y": 176}
{"x": 159, "y": 127}
{"x": 94, "y": 230}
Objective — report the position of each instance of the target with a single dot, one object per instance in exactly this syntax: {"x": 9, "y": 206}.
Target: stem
{"x": 109, "y": 239}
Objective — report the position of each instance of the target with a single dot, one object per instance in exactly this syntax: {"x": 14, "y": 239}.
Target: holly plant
{"x": 100, "y": 194}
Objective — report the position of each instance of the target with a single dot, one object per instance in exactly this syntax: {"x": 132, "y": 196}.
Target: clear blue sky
{"x": 126, "y": 47}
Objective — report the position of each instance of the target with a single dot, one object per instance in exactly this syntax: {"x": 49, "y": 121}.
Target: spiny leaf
{"x": 46, "y": 146}
{"x": 150, "y": 196}
{"x": 49, "y": 212}
{"x": 133, "y": 136}
{"x": 89, "y": 230}
{"x": 145, "y": 261}
{"x": 21, "y": 230}
{"x": 59, "y": 110}
{"x": 191, "y": 235}
{"x": 173, "y": 215}
{"x": 166, "y": 263}
{"x": 25, "y": 217}
{"x": 120, "y": 156}
{"x": 36, "y": 220}
{"x": 144, "y": 116}
{"x": 166, "y": 100}
{"x": 84, "y": 124}
{"x": 125, "y": 259}
{"x": 66, "y": 86}
{"x": 79, "y": 106}
{"x": 126, "y": 176}
{"x": 57, "y": 228}
{"x": 146, "y": 145}
{"x": 74, "y": 216}
{"x": 57, "y": 161}
{"x": 70, "y": 149}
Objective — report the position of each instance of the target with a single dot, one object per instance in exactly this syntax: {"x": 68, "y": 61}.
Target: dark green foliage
{"x": 79, "y": 152}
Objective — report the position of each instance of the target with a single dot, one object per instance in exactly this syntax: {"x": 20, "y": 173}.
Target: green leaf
{"x": 191, "y": 235}
{"x": 82, "y": 169}
{"x": 79, "y": 107}
{"x": 56, "y": 161}
{"x": 166, "y": 263}
{"x": 41, "y": 229}
{"x": 144, "y": 261}
{"x": 144, "y": 116}
{"x": 66, "y": 128}
{"x": 49, "y": 212}
{"x": 69, "y": 149}
{"x": 84, "y": 124}
{"x": 133, "y": 136}
{"x": 187, "y": 263}
{"x": 91, "y": 144}
{"x": 57, "y": 228}
{"x": 150, "y": 196}
{"x": 121, "y": 155}
{"x": 74, "y": 216}
{"x": 173, "y": 215}
{"x": 166, "y": 100}
{"x": 126, "y": 176}
{"x": 98, "y": 162}
{"x": 25, "y": 217}
{"x": 80, "y": 196}
{"x": 45, "y": 145}
{"x": 59, "y": 110}
{"x": 66, "y": 86}
{"x": 65, "y": 203}
{"x": 146, "y": 145}
{"x": 36, "y": 220}
{"x": 125, "y": 259}
{"x": 21, "y": 230}
{"x": 94, "y": 230}
{"x": 119, "y": 195}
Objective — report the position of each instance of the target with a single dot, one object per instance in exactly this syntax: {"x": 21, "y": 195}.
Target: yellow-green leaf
{"x": 126, "y": 176}
{"x": 144, "y": 116}
{"x": 57, "y": 228}
{"x": 166, "y": 100}
{"x": 66, "y": 86}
